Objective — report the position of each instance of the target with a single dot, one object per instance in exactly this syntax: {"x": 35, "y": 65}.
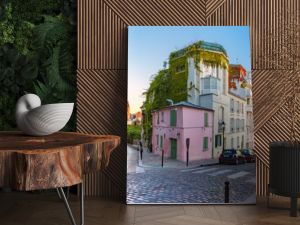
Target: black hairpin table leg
{"x": 62, "y": 195}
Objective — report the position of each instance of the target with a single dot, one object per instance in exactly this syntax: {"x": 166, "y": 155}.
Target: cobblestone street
{"x": 203, "y": 184}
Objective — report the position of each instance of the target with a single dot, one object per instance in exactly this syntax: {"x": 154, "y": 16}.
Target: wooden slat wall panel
{"x": 277, "y": 128}
{"x": 262, "y": 177}
{"x": 102, "y": 37}
{"x": 98, "y": 184}
{"x": 263, "y": 17}
{"x": 160, "y": 12}
{"x": 271, "y": 118}
{"x": 102, "y": 72}
{"x": 267, "y": 103}
{"x": 102, "y": 108}
{"x": 102, "y": 69}
{"x": 97, "y": 114}
{"x": 212, "y": 5}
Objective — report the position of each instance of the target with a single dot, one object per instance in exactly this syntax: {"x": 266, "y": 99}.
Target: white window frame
{"x": 238, "y": 107}
{"x": 232, "y": 125}
{"x": 232, "y": 105}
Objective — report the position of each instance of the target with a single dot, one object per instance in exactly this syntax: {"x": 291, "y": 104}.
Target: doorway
{"x": 173, "y": 148}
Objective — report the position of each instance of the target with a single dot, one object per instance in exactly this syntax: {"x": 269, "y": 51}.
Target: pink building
{"x": 172, "y": 125}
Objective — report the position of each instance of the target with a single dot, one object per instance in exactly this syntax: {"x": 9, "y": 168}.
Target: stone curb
{"x": 140, "y": 163}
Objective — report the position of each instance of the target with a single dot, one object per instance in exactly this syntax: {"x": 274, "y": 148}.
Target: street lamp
{"x": 170, "y": 101}
{"x": 187, "y": 141}
{"x": 143, "y": 110}
{"x": 223, "y": 128}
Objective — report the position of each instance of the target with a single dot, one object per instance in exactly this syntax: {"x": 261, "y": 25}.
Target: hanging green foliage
{"x": 17, "y": 73}
{"x": 156, "y": 96}
{"x": 41, "y": 38}
{"x": 178, "y": 79}
{"x": 33, "y": 10}
{"x": 214, "y": 59}
{"x": 172, "y": 83}
{"x": 199, "y": 45}
{"x": 211, "y": 53}
{"x": 15, "y": 31}
{"x": 7, "y": 112}
{"x": 178, "y": 86}
{"x": 53, "y": 44}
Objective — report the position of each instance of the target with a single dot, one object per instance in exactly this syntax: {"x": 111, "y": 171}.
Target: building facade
{"x": 211, "y": 90}
{"x": 249, "y": 115}
{"x": 213, "y": 83}
{"x": 200, "y": 75}
{"x": 173, "y": 125}
{"x": 239, "y": 90}
{"x": 236, "y": 136}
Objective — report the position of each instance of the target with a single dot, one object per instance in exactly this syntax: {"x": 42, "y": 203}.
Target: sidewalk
{"x": 151, "y": 160}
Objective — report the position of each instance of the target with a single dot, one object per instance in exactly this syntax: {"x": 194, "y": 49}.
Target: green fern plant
{"x": 53, "y": 42}
{"x": 17, "y": 73}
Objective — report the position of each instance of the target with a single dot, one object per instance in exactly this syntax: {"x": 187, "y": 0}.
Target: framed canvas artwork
{"x": 189, "y": 115}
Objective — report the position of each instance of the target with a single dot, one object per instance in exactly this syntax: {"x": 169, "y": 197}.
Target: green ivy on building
{"x": 172, "y": 84}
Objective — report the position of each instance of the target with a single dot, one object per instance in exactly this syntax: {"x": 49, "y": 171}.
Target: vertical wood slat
{"x": 102, "y": 67}
{"x": 101, "y": 41}
{"x": 160, "y": 13}
{"x": 262, "y": 178}
{"x": 102, "y": 73}
{"x": 105, "y": 115}
{"x": 262, "y": 16}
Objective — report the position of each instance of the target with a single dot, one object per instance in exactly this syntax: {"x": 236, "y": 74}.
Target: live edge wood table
{"x": 52, "y": 162}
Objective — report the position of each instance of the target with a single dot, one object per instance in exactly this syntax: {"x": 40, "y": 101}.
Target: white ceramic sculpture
{"x": 40, "y": 120}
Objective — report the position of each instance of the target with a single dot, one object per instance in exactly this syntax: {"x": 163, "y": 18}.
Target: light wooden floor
{"x": 46, "y": 209}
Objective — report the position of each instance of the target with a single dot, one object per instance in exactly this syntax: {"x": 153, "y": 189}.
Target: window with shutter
{"x": 232, "y": 125}
{"x": 206, "y": 119}
{"x": 231, "y": 105}
{"x": 173, "y": 118}
{"x": 205, "y": 143}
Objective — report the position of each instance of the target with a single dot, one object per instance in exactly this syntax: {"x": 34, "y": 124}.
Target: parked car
{"x": 249, "y": 156}
{"x": 231, "y": 156}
